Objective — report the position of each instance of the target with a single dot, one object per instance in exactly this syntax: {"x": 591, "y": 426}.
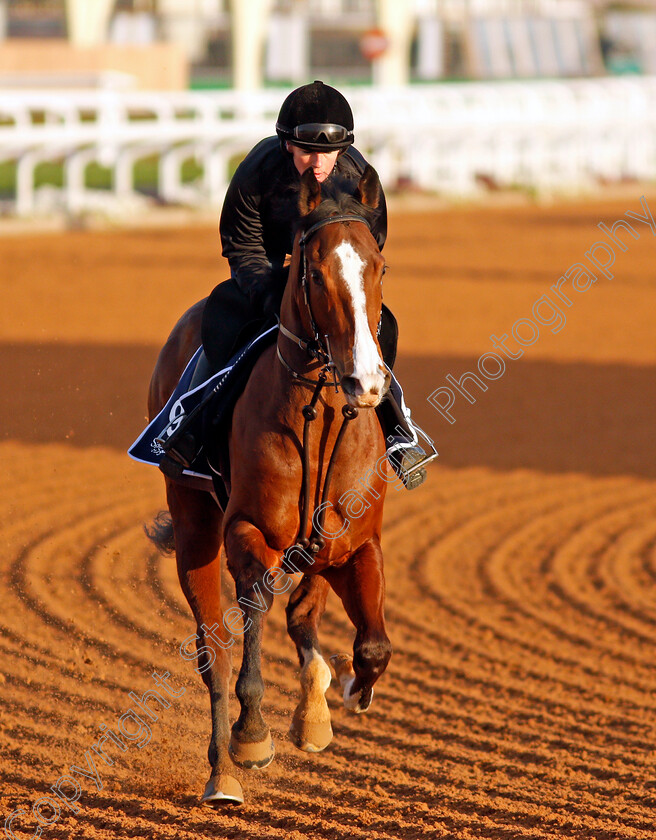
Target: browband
{"x": 330, "y": 220}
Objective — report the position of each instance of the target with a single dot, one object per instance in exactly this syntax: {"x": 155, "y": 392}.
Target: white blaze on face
{"x": 367, "y": 363}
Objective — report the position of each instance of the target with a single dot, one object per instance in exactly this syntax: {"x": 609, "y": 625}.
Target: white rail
{"x": 448, "y": 138}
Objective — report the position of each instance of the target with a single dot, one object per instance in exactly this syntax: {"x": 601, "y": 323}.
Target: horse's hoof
{"x": 252, "y": 755}
{"x": 343, "y": 665}
{"x": 360, "y": 704}
{"x": 310, "y": 737}
{"x": 225, "y": 790}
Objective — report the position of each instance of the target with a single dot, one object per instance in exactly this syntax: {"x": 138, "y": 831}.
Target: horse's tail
{"x": 160, "y": 533}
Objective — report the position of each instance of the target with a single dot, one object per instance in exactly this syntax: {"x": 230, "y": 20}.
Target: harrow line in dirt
{"x": 529, "y": 599}
{"x": 490, "y": 680}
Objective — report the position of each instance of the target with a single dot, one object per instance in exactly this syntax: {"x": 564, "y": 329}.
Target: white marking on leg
{"x": 310, "y": 728}
{"x": 343, "y": 666}
{"x": 352, "y": 701}
{"x": 320, "y": 671}
{"x": 367, "y": 364}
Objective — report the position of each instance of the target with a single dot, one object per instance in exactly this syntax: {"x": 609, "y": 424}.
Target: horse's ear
{"x": 368, "y": 191}
{"x": 310, "y": 196}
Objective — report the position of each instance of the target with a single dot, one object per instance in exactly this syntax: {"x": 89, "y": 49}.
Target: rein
{"x": 316, "y": 349}
{"x": 315, "y": 542}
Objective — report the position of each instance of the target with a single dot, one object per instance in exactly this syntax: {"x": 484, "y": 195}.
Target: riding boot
{"x": 404, "y": 452}
{"x": 183, "y": 446}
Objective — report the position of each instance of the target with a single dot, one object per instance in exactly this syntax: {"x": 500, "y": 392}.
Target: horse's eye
{"x": 316, "y": 276}
{"x": 384, "y": 270}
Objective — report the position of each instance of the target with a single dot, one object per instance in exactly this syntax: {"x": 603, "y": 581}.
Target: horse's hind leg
{"x": 310, "y": 729}
{"x": 197, "y": 523}
{"x": 361, "y": 586}
{"x": 250, "y": 745}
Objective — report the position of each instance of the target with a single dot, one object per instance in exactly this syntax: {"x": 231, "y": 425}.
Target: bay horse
{"x": 328, "y": 326}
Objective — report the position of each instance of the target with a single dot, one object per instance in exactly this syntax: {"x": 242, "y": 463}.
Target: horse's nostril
{"x": 349, "y": 384}
{"x": 355, "y": 387}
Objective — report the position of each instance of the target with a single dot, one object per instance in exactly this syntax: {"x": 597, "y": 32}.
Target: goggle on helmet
{"x": 317, "y": 134}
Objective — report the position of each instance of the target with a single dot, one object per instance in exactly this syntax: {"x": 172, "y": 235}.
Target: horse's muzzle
{"x": 368, "y": 391}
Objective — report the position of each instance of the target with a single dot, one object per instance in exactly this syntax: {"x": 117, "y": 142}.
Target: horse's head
{"x": 338, "y": 270}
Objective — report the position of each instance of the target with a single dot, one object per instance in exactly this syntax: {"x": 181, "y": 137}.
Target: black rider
{"x": 315, "y": 129}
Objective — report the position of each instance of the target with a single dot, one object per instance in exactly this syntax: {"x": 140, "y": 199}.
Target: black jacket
{"x": 259, "y": 212}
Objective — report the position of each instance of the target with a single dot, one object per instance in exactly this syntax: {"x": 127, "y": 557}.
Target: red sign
{"x": 373, "y": 44}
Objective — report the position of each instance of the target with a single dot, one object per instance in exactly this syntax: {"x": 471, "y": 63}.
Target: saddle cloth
{"x": 219, "y": 393}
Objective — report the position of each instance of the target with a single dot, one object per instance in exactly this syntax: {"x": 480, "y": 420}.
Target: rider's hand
{"x": 269, "y": 303}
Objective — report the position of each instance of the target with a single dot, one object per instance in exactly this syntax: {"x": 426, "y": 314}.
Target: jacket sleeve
{"x": 242, "y": 236}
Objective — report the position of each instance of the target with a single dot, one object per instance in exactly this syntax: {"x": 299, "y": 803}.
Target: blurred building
{"x": 540, "y": 111}
{"x": 81, "y": 43}
{"x": 247, "y": 43}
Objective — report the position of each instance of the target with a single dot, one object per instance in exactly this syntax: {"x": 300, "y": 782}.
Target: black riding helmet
{"x": 316, "y": 118}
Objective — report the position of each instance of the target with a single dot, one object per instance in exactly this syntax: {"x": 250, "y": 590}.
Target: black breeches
{"x": 228, "y": 323}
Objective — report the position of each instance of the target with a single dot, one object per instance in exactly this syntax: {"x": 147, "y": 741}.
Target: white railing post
{"x": 25, "y": 167}
{"x": 170, "y": 185}
{"x": 124, "y": 173}
{"x": 74, "y": 170}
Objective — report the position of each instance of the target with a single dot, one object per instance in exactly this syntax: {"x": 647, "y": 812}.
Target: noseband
{"x": 316, "y": 348}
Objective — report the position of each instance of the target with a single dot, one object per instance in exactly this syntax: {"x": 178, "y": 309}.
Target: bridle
{"x": 317, "y": 347}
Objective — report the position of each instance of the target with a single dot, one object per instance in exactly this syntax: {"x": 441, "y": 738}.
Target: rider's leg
{"x": 404, "y": 452}
{"x": 227, "y": 312}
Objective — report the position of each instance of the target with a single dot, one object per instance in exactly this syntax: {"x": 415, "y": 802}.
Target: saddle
{"x": 215, "y": 399}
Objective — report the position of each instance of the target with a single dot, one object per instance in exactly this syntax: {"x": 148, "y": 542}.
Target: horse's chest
{"x": 272, "y": 468}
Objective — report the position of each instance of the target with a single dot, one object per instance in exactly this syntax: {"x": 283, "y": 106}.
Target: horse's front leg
{"x": 248, "y": 560}
{"x": 197, "y": 523}
{"x": 361, "y": 586}
{"x": 310, "y": 728}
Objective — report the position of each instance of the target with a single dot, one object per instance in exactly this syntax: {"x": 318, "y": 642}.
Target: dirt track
{"x": 520, "y": 700}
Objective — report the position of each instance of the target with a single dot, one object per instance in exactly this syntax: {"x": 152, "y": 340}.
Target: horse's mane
{"x": 338, "y": 199}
